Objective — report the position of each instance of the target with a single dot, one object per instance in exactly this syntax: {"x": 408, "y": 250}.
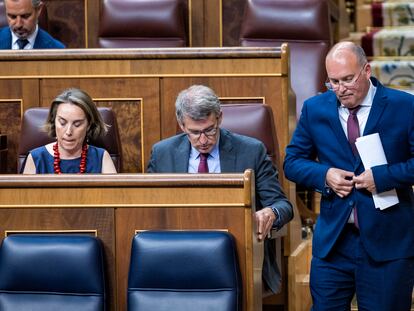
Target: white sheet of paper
{"x": 372, "y": 153}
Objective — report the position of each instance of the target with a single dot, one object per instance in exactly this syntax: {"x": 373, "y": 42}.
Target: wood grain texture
{"x": 298, "y": 277}
{"x": 233, "y": 12}
{"x": 10, "y": 125}
{"x": 118, "y": 205}
{"x": 67, "y": 21}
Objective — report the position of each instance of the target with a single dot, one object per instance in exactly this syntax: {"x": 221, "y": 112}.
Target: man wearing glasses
{"x": 357, "y": 248}
{"x": 204, "y": 147}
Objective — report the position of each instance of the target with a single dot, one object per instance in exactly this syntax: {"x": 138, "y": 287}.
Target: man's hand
{"x": 365, "y": 180}
{"x": 340, "y": 181}
{"x": 264, "y": 221}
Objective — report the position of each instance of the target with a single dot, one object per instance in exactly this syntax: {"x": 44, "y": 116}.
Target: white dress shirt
{"x": 31, "y": 39}
{"x": 213, "y": 160}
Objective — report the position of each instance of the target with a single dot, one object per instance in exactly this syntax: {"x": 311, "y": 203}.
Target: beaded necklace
{"x": 56, "y": 159}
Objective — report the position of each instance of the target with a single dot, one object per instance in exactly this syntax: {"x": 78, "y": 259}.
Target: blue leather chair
{"x": 43, "y": 272}
{"x": 184, "y": 270}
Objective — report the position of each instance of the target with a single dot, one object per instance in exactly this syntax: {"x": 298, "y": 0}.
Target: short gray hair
{"x": 197, "y": 102}
{"x": 35, "y": 3}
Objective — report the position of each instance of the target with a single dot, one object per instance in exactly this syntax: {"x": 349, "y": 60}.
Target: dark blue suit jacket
{"x": 386, "y": 234}
{"x": 43, "y": 40}
{"x": 237, "y": 153}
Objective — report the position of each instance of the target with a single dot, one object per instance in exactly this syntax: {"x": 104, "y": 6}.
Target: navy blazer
{"x": 237, "y": 153}
{"x": 43, "y": 40}
{"x": 386, "y": 234}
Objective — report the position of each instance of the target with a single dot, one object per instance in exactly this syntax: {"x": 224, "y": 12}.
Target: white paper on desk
{"x": 372, "y": 153}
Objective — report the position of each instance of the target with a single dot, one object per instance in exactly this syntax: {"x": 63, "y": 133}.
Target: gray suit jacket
{"x": 237, "y": 153}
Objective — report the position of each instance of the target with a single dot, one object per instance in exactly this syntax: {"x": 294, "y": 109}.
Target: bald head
{"x": 348, "y": 73}
{"x": 345, "y": 49}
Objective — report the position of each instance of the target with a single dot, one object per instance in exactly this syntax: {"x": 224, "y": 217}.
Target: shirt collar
{"x": 214, "y": 153}
{"x": 31, "y": 39}
{"x": 369, "y": 98}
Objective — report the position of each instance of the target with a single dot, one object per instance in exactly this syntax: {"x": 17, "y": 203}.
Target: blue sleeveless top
{"x": 43, "y": 161}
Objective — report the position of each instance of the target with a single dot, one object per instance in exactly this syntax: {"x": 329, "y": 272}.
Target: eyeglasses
{"x": 210, "y": 132}
{"x": 334, "y": 85}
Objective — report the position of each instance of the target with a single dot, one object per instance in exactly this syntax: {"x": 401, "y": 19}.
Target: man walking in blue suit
{"x": 357, "y": 248}
{"x": 204, "y": 147}
{"x": 23, "y": 31}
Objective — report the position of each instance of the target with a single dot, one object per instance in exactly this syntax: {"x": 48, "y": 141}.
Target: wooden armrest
{"x": 305, "y": 213}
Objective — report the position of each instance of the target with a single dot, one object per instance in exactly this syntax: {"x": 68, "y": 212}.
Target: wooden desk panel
{"x": 118, "y": 205}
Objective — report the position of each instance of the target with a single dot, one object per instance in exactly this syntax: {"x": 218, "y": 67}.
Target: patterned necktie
{"x": 353, "y": 134}
{"x": 203, "y": 166}
{"x": 22, "y": 43}
{"x": 353, "y": 128}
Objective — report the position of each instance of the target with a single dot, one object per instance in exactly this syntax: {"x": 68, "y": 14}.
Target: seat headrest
{"x": 254, "y": 120}
{"x": 51, "y": 263}
{"x": 286, "y": 20}
{"x": 134, "y": 23}
{"x": 184, "y": 270}
{"x": 183, "y": 260}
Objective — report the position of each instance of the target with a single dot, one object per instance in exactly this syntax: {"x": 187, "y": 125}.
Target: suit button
{"x": 351, "y": 203}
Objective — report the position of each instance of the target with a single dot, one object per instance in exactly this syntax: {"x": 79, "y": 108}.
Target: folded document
{"x": 372, "y": 154}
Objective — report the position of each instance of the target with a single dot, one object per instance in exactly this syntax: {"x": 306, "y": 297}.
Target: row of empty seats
{"x": 169, "y": 270}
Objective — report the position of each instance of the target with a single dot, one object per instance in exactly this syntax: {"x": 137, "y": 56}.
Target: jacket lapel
{"x": 182, "y": 155}
{"x": 333, "y": 116}
{"x": 227, "y": 152}
{"x": 377, "y": 108}
{"x": 379, "y": 103}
